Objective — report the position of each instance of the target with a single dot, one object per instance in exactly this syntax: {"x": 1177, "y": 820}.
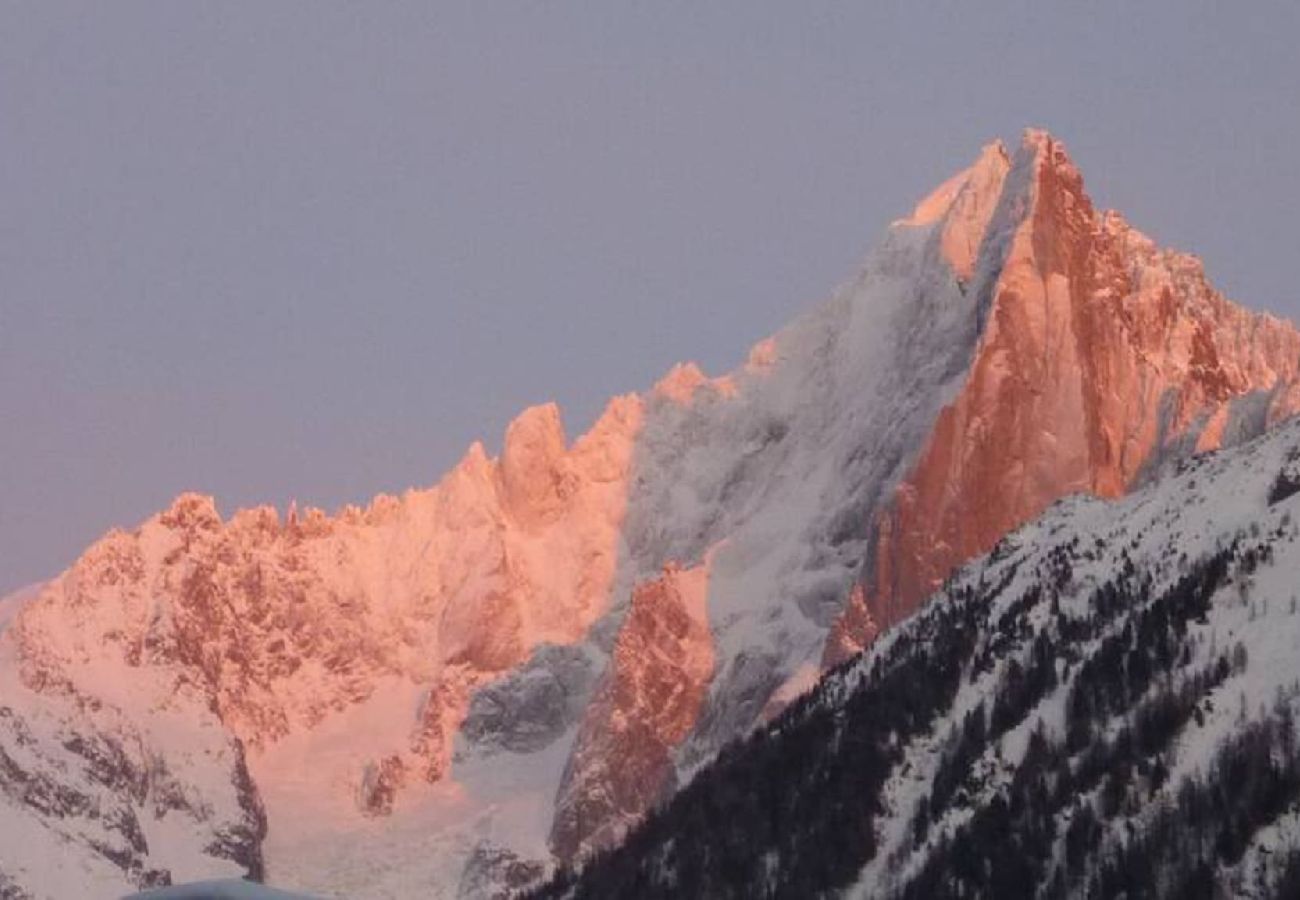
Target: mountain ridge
{"x": 464, "y": 660}
{"x": 1104, "y": 705}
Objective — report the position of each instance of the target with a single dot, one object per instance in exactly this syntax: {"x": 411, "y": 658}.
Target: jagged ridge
{"x": 1103, "y": 706}
{"x": 458, "y": 658}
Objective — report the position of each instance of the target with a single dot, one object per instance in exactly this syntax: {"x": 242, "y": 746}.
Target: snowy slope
{"x": 11, "y": 603}
{"x": 226, "y": 889}
{"x": 1105, "y": 703}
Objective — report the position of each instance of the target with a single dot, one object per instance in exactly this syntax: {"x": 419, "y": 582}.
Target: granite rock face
{"x": 1101, "y": 355}
{"x": 648, "y": 701}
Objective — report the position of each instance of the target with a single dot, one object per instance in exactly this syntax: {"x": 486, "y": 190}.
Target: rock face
{"x": 1100, "y": 356}
{"x": 648, "y": 702}
{"x": 282, "y": 624}
{"x": 127, "y": 784}
{"x": 512, "y": 665}
{"x": 255, "y": 630}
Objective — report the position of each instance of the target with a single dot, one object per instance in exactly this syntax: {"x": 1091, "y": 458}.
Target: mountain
{"x": 453, "y": 690}
{"x": 1103, "y": 706}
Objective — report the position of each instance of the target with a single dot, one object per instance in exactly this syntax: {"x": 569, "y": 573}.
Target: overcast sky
{"x": 275, "y": 251}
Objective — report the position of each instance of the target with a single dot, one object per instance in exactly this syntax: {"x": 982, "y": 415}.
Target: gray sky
{"x": 308, "y": 250}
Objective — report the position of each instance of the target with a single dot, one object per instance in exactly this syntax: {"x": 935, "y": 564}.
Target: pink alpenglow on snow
{"x": 451, "y": 690}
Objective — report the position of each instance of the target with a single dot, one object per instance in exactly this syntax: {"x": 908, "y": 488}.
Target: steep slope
{"x": 1102, "y": 356}
{"x": 128, "y": 779}
{"x": 429, "y": 692}
{"x": 1103, "y": 706}
{"x": 261, "y": 632}
{"x": 647, "y": 702}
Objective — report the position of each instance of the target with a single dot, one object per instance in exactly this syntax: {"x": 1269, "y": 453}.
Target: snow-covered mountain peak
{"x": 962, "y": 206}
{"x": 1099, "y": 357}
{"x": 473, "y": 679}
{"x": 192, "y": 511}
{"x": 991, "y": 164}
{"x": 684, "y": 379}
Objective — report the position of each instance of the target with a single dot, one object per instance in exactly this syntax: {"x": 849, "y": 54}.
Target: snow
{"x": 443, "y": 590}
{"x": 222, "y": 889}
{"x": 1214, "y": 499}
{"x": 11, "y": 603}
{"x": 338, "y": 639}
{"x": 324, "y": 845}
{"x": 740, "y": 469}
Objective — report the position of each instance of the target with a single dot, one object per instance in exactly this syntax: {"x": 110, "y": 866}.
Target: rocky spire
{"x": 1099, "y": 358}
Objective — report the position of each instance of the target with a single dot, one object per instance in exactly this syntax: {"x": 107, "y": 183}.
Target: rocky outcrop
{"x": 532, "y": 707}
{"x": 379, "y": 785}
{"x": 1100, "y": 356}
{"x": 648, "y": 701}
{"x": 494, "y": 872}
{"x": 256, "y": 631}
{"x": 854, "y": 630}
{"x": 90, "y": 802}
{"x": 282, "y": 625}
